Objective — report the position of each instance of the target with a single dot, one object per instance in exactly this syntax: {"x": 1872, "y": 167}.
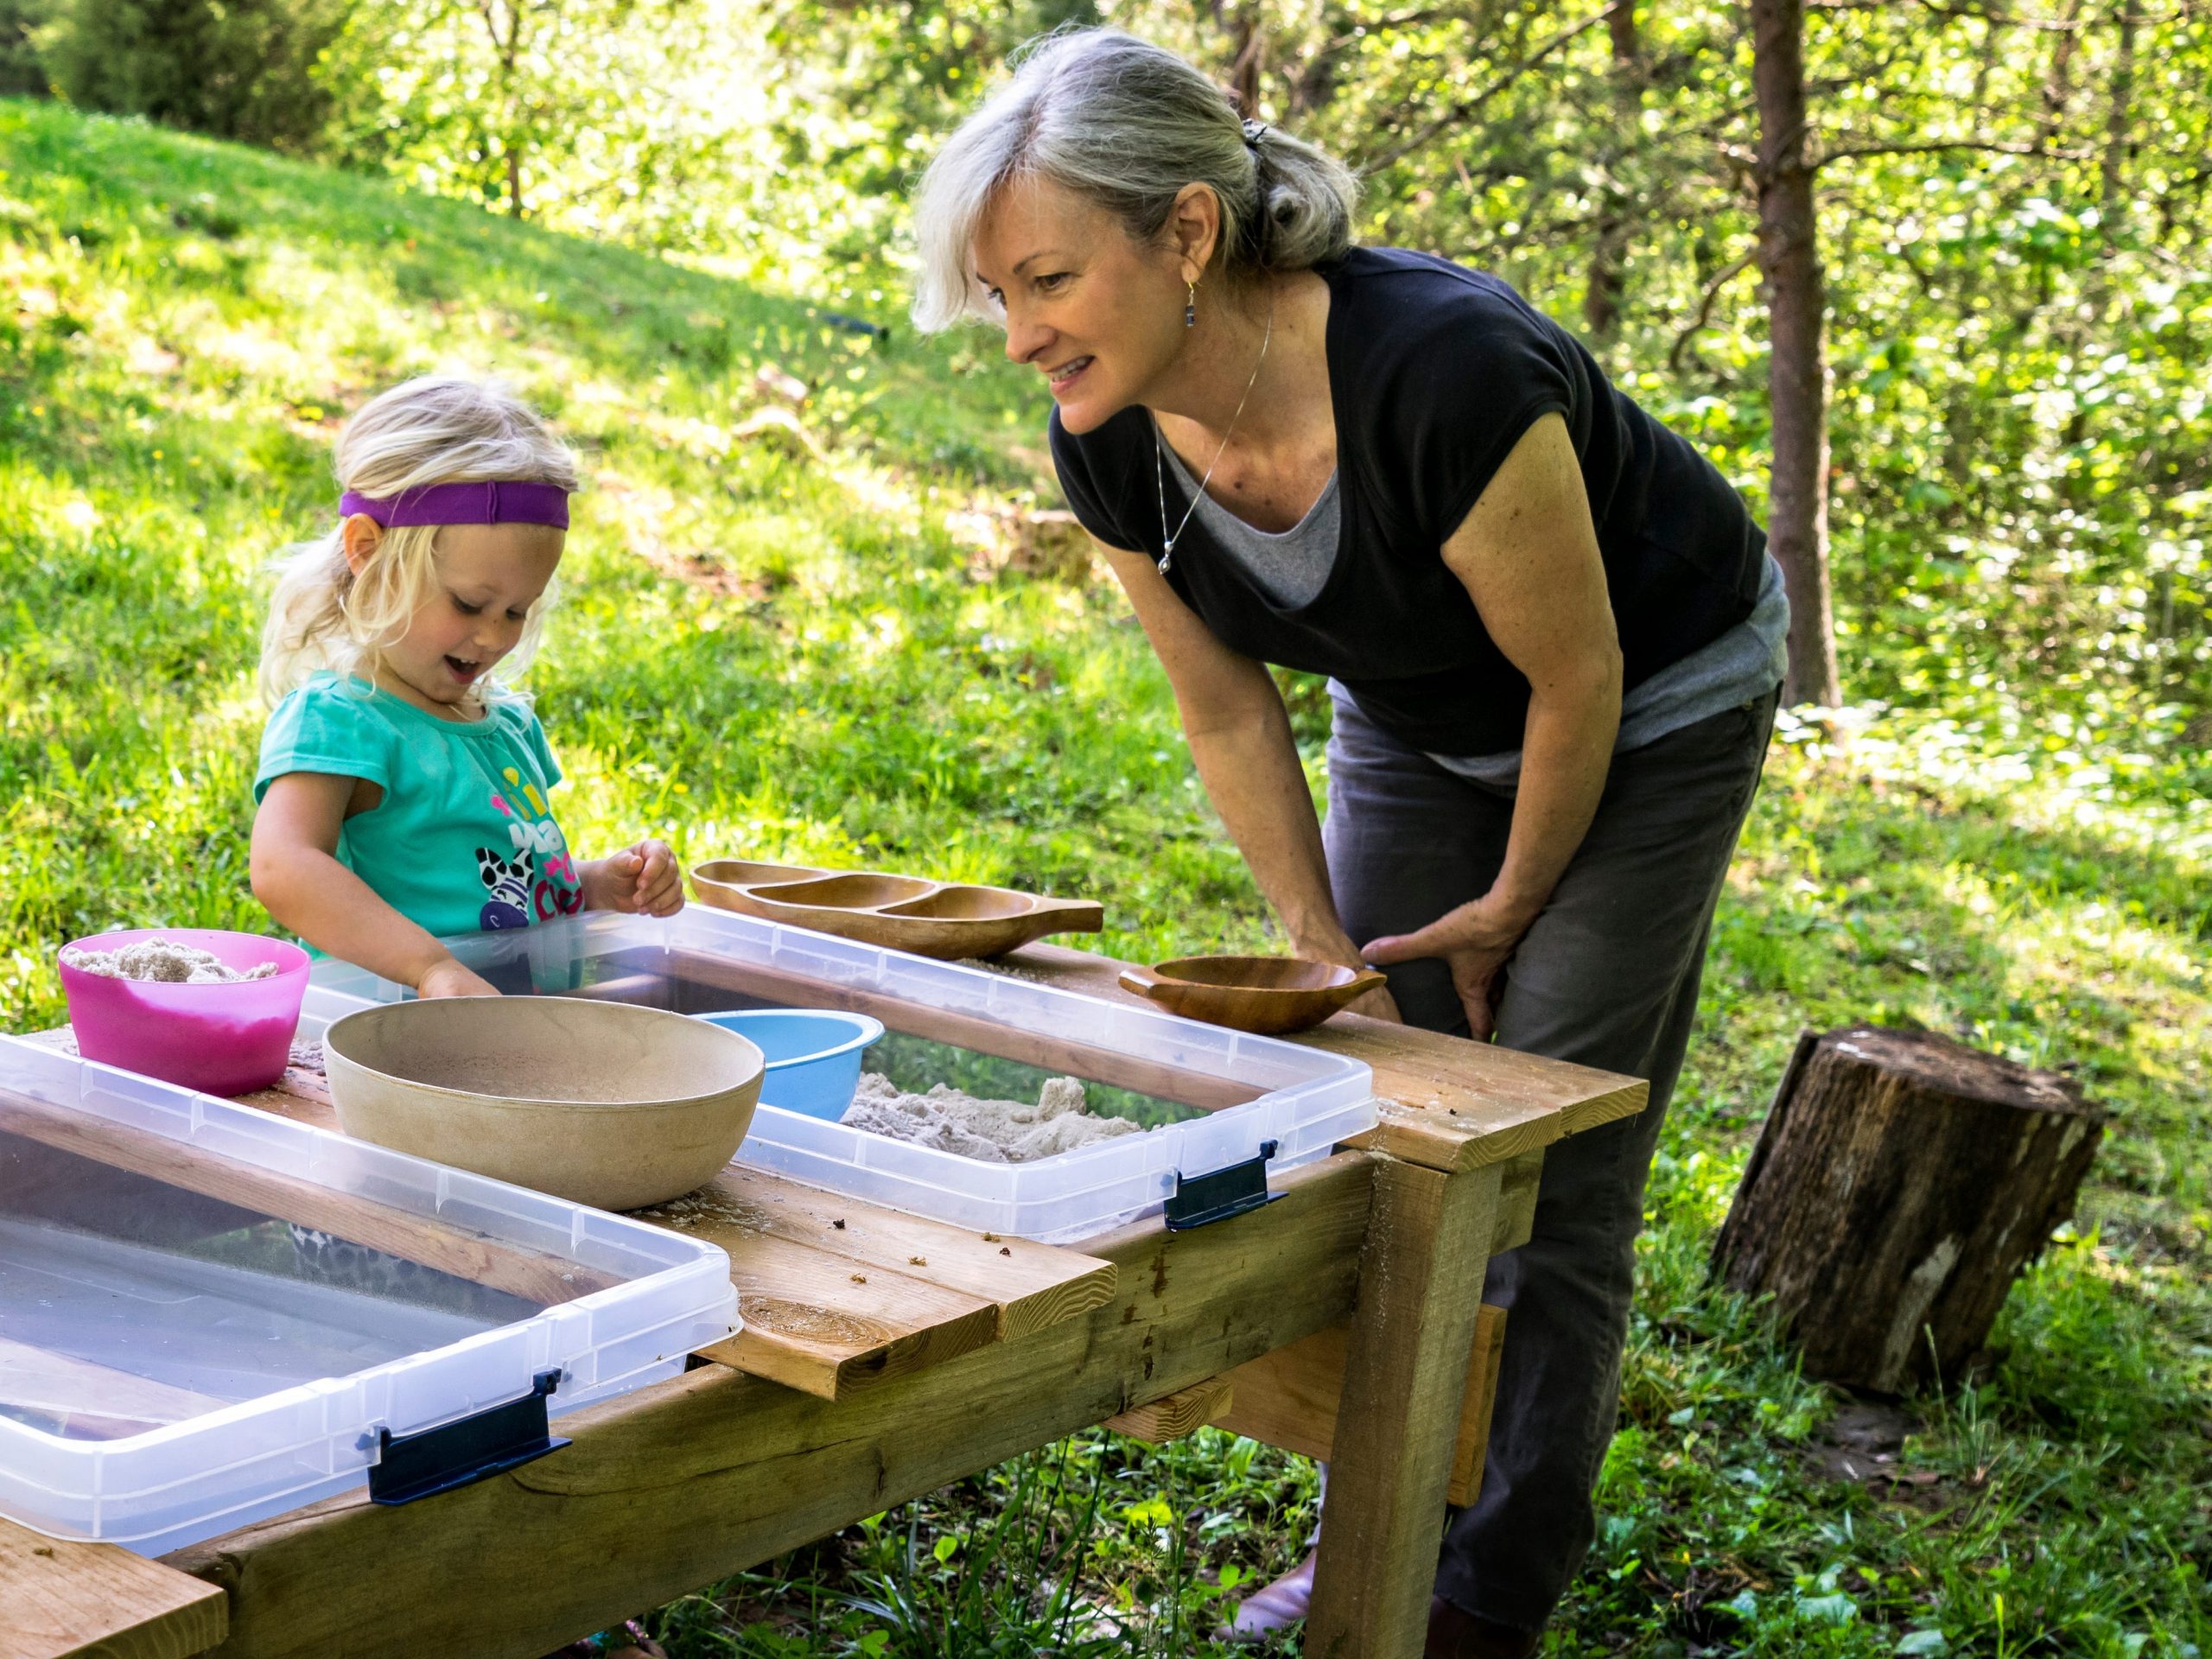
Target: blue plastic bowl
{"x": 814, "y": 1055}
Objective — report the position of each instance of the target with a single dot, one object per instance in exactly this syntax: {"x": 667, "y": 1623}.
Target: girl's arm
{"x": 1528, "y": 556}
{"x": 298, "y": 878}
{"x": 1240, "y": 739}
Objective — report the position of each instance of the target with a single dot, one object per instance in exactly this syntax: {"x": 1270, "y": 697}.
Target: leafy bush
{"x": 19, "y": 69}
{"x": 235, "y": 69}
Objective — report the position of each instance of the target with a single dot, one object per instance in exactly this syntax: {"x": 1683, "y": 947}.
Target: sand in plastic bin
{"x": 993, "y": 1131}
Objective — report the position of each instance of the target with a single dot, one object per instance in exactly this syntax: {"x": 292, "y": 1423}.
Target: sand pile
{"x": 162, "y": 959}
{"x": 994, "y": 1131}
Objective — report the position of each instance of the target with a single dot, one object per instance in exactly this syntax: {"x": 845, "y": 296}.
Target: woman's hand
{"x": 1377, "y": 1004}
{"x": 643, "y": 880}
{"x": 1333, "y": 946}
{"x": 446, "y": 977}
{"x": 1476, "y": 941}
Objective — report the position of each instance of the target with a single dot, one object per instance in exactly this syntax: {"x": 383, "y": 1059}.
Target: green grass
{"x": 768, "y": 652}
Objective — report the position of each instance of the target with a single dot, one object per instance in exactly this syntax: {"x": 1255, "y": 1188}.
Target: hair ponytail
{"x": 1307, "y": 200}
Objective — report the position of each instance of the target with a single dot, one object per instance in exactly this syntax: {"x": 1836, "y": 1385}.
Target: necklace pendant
{"x": 1167, "y": 554}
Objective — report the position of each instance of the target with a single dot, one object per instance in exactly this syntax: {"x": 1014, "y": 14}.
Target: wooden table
{"x": 884, "y": 1355}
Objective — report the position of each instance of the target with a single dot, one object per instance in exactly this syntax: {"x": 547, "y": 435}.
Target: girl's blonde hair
{"x": 436, "y": 430}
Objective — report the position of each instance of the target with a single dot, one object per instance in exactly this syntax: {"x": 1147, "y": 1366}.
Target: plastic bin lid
{"x": 1220, "y": 1098}
{"x": 209, "y": 1315}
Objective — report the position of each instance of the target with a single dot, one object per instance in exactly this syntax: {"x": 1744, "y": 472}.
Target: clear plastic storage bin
{"x": 209, "y": 1315}
{"x": 1212, "y": 1098}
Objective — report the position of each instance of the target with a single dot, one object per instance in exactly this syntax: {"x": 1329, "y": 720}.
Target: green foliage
{"x": 235, "y": 69}
{"x": 1095, "y": 1548}
{"x": 2013, "y": 221}
{"x": 2012, "y": 230}
{"x": 610, "y": 117}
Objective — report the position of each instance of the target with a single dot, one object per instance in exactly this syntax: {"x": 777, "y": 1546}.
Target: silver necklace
{"x": 1160, "y": 463}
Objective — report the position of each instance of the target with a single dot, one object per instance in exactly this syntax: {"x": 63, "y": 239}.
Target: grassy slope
{"x": 840, "y": 672}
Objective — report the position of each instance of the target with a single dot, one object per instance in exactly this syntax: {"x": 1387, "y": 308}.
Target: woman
{"x": 1553, "y": 631}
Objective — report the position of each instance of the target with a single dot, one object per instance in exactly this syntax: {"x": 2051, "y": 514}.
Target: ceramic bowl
{"x": 604, "y": 1103}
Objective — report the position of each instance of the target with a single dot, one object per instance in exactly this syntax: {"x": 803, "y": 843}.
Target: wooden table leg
{"x": 1420, "y": 1280}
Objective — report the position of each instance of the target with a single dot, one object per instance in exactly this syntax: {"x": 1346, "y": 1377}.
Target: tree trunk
{"x": 1900, "y": 1184}
{"x": 2058, "y": 86}
{"x": 1248, "y": 51}
{"x": 2118, "y": 120}
{"x": 1798, "y": 505}
{"x": 1601, "y": 294}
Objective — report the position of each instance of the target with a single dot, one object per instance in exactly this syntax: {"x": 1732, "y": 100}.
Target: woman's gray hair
{"x": 1126, "y": 124}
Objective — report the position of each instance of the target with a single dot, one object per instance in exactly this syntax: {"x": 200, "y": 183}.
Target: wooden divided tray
{"x": 946, "y": 919}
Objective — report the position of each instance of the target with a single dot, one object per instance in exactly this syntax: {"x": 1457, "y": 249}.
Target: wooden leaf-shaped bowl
{"x": 945, "y": 919}
{"x": 1267, "y": 996}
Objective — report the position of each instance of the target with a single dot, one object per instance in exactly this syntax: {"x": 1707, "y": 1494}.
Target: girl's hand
{"x": 446, "y": 977}
{"x": 643, "y": 880}
{"x": 1476, "y": 941}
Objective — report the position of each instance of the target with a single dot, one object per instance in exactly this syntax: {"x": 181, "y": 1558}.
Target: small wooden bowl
{"x": 1267, "y": 996}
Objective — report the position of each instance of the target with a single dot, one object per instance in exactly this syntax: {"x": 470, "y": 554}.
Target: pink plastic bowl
{"x": 223, "y": 1040}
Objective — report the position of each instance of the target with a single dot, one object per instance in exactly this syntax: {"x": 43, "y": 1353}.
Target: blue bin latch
{"x": 1221, "y": 1193}
{"x": 486, "y": 1442}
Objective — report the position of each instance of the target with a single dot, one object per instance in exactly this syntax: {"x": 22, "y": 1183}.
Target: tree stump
{"x": 1901, "y": 1181}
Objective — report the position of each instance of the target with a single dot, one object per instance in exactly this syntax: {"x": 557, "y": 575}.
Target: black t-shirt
{"x": 1435, "y": 372}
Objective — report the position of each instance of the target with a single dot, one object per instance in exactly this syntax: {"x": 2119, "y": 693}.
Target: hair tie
{"x": 487, "y": 502}
{"x": 1254, "y": 132}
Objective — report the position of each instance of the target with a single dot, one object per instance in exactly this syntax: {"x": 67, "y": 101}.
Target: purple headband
{"x": 488, "y": 502}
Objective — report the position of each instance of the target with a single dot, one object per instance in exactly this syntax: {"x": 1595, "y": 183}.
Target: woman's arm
{"x": 298, "y": 878}
{"x": 1240, "y": 739}
{"x": 1528, "y": 555}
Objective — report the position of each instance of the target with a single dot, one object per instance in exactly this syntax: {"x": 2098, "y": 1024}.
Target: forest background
{"x": 816, "y": 518}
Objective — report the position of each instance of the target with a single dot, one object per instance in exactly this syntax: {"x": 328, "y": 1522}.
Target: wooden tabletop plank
{"x": 827, "y": 1324}
{"x": 1447, "y": 1104}
{"x": 59, "y": 1599}
{"x": 1042, "y": 1049}
{"x": 1031, "y": 1285}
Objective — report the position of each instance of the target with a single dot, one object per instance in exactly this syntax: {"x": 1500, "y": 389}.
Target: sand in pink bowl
{"x": 223, "y": 1040}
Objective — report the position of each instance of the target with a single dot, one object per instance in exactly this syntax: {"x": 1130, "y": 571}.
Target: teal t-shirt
{"x": 464, "y": 838}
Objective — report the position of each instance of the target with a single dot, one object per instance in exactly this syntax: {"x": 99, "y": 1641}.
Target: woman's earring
{"x": 1191, "y": 309}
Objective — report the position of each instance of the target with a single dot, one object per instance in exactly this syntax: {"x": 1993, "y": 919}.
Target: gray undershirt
{"x": 1742, "y": 665}
{"x": 1745, "y": 663}
{"x": 1290, "y": 568}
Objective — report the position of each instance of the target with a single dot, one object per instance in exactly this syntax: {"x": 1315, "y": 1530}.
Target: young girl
{"x": 403, "y": 788}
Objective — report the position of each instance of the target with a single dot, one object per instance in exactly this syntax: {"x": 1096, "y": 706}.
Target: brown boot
{"x": 1454, "y": 1634}
{"x": 1278, "y": 1605}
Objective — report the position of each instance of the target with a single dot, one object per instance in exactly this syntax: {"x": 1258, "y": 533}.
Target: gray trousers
{"x": 1608, "y": 977}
